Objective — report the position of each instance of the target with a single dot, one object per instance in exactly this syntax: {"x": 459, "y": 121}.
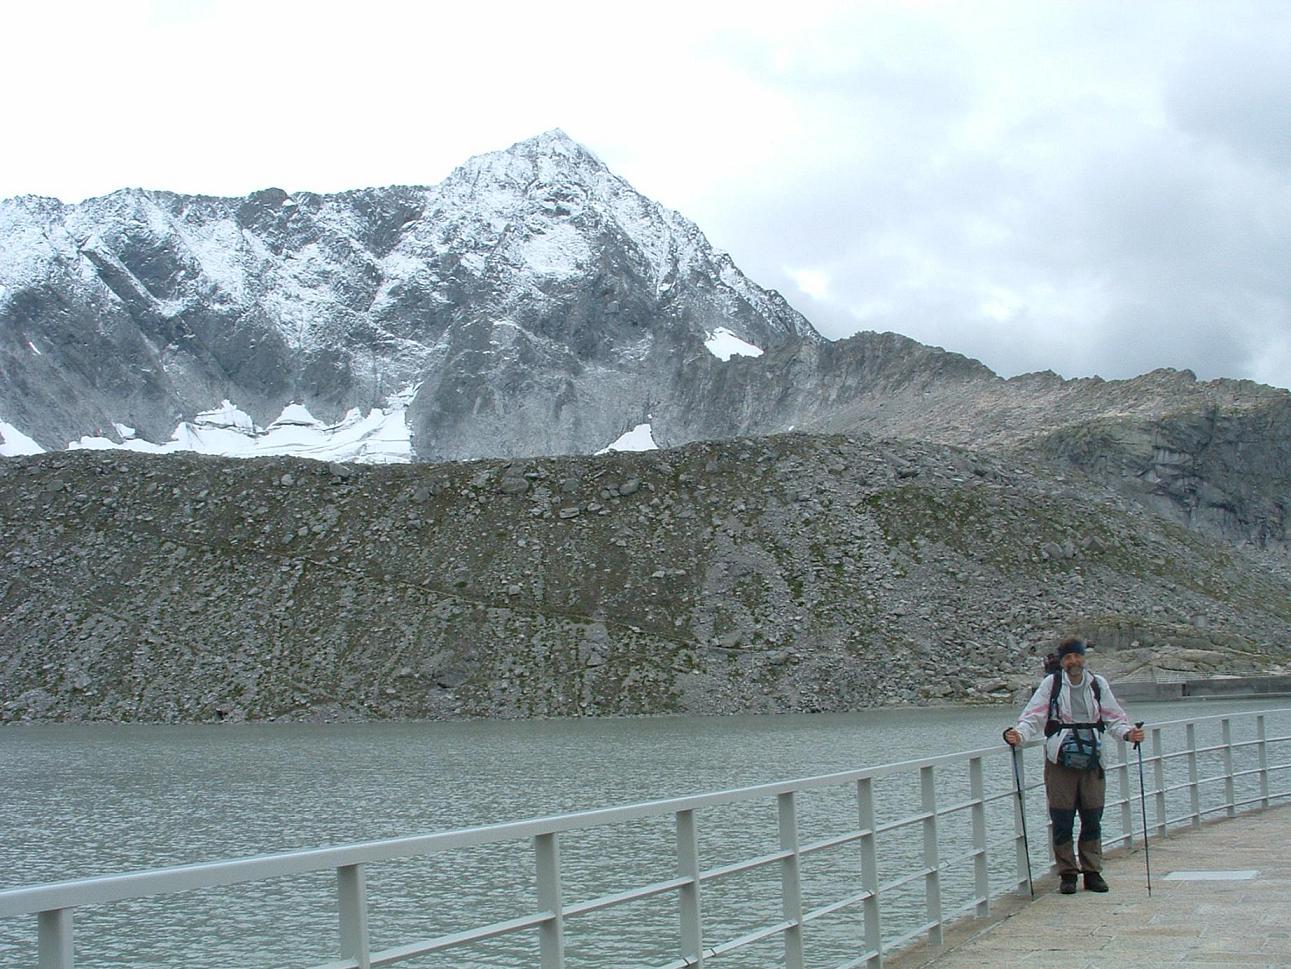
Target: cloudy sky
{"x": 1087, "y": 187}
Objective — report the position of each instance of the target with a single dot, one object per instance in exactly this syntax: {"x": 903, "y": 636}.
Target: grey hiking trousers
{"x": 1070, "y": 792}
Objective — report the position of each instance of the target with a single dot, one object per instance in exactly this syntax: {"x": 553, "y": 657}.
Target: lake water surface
{"x": 82, "y": 800}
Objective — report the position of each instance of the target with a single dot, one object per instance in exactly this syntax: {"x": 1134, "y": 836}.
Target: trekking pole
{"x": 1022, "y": 813}
{"x": 1143, "y": 802}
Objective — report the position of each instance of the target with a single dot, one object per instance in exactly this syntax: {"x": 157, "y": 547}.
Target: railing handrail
{"x": 53, "y": 903}
{"x": 1157, "y": 725}
{"x": 182, "y": 878}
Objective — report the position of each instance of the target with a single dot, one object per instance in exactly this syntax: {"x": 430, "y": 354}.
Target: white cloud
{"x": 813, "y": 282}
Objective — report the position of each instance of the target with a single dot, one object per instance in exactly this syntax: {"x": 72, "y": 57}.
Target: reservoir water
{"x": 83, "y": 800}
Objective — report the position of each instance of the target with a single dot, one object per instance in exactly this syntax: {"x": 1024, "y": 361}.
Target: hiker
{"x": 1072, "y": 707}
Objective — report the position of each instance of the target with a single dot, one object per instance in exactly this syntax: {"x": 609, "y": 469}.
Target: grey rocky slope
{"x": 1214, "y": 455}
{"x": 793, "y": 572}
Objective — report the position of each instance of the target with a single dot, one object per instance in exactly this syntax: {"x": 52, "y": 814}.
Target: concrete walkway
{"x": 1227, "y": 922}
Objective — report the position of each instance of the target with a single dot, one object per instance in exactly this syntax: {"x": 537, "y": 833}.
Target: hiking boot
{"x": 1068, "y": 886}
{"x": 1093, "y": 882}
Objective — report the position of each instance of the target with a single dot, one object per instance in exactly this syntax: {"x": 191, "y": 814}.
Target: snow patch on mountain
{"x": 639, "y": 438}
{"x": 559, "y": 251}
{"x": 382, "y": 437}
{"x": 723, "y": 344}
{"x": 14, "y": 442}
{"x": 219, "y": 248}
{"x": 227, "y": 417}
{"x": 26, "y": 246}
{"x": 296, "y": 415}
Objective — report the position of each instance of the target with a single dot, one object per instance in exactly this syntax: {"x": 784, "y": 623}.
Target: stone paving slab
{"x": 1184, "y": 923}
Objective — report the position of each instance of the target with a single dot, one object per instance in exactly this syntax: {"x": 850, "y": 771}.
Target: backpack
{"x": 1080, "y": 747}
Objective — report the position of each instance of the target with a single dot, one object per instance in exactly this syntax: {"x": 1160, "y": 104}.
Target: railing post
{"x": 790, "y": 882}
{"x": 692, "y": 932}
{"x": 981, "y": 880}
{"x": 54, "y": 939}
{"x": 551, "y": 934}
{"x": 869, "y": 872}
{"x": 352, "y": 897}
{"x": 1127, "y": 792}
{"x": 1194, "y": 790}
{"x": 1019, "y": 826}
{"x": 932, "y": 880}
{"x": 1158, "y": 775}
{"x": 1262, "y": 749}
{"x": 1230, "y": 798}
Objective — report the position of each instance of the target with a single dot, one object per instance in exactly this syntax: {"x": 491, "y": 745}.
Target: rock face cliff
{"x": 1226, "y": 471}
{"x": 793, "y": 572}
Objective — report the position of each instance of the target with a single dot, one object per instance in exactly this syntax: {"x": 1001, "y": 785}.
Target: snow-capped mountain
{"x": 531, "y": 302}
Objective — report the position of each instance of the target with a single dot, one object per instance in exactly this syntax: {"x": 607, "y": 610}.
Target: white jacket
{"x": 1036, "y": 713}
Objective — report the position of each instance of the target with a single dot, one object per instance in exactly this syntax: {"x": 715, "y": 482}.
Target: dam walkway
{"x": 1221, "y": 896}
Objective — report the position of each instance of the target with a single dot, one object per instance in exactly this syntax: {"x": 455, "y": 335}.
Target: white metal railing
{"x": 1240, "y": 778}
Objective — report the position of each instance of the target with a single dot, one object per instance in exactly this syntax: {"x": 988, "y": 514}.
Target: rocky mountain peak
{"x": 549, "y": 208}
{"x": 532, "y": 302}
{"x": 527, "y": 167}
{"x": 555, "y": 144}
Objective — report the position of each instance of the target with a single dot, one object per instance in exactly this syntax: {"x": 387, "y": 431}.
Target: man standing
{"x": 1072, "y": 708}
